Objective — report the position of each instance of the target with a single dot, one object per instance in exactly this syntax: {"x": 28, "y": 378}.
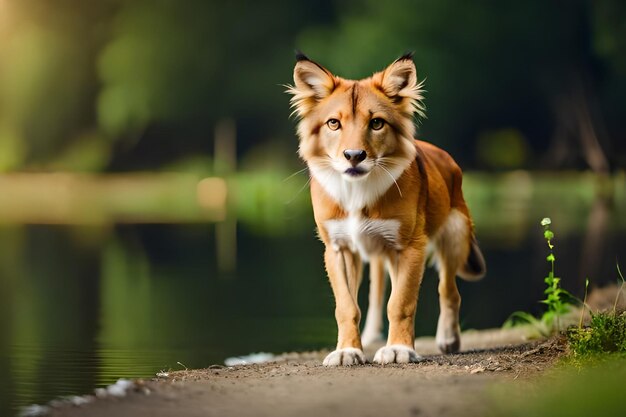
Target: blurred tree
{"x": 610, "y": 44}
{"x": 160, "y": 62}
{"x": 46, "y": 76}
{"x": 503, "y": 149}
{"x": 171, "y": 73}
{"x": 132, "y": 84}
{"x": 488, "y": 65}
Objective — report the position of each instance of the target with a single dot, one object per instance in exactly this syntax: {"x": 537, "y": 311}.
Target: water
{"x": 83, "y": 306}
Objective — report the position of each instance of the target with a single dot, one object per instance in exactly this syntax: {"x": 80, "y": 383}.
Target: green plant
{"x": 582, "y": 310}
{"x": 558, "y": 300}
{"x": 620, "y": 290}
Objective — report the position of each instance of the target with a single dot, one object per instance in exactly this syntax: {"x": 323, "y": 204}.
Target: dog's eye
{"x": 377, "y": 123}
{"x": 333, "y": 124}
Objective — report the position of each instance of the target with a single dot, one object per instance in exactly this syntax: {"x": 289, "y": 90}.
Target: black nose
{"x": 354, "y": 155}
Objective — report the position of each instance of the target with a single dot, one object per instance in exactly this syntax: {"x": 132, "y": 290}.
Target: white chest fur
{"x": 363, "y": 235}
{"x": 356, "y": 195}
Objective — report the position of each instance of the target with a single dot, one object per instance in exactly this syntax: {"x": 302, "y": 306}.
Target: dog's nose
{"x": 355, "y": 155}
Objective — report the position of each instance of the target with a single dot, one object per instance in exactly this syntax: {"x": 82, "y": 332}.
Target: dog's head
{"x": 356, "y": 128}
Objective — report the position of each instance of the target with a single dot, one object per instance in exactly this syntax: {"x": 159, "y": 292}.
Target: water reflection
{"x": 82, "y": 313}
{"x": 83, "y": 306}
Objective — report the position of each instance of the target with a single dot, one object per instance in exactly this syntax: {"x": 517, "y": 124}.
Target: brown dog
{"x": 380, "y": 195}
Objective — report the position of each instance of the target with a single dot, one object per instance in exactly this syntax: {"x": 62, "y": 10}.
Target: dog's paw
{"x": 448, "y": 336}
{"x": 449, "y": 344}
{"x": 345, "y": 357}
{"x": 396, "y": 354}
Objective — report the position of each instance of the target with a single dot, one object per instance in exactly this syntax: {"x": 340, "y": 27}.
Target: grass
{"x": 606, "y": 333}
{"x": 596, "y": 388}
{"x": 589, "y": 381}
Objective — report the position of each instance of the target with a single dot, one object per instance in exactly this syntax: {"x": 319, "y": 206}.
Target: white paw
{"x": 448, "y": 336}
{"x": 396, "y": 354}
{"x": 450, "y": 343}
{"x": 345, "y": 357}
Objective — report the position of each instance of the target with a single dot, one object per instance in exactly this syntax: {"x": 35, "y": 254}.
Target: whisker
{"x": 324, "y": 162}
{"x": 295, "y": 173}
{"x": 394, "y": 180}
{"x": 300, "y": 190}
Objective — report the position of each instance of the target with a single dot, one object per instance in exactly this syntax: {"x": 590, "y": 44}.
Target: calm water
{"x": 83, "y": 306}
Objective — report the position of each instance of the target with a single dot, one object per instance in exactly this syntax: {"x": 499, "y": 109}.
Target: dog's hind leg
{"x": 452, "y": 248}
{"x": 372, "y": 331}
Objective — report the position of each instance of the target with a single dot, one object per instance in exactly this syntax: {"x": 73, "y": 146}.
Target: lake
{"x": 84, "y": 304}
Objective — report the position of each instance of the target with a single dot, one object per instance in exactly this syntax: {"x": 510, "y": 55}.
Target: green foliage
{"x": 522, "y": 317}
{"x": 594, "y": 389}
{"x": 152, "y": 70}
{"x": 605, "y": 334}
{"x": 12, "y": 148}
{"x": 621, "y": 288}
{"x": 269, "y": 203}
{"x": 44, "y": 85}
{"x": 502, "y": 148}
{"x": 582, "y": 310}
{"x": 130, "y": 69}
{"x": 450, "y": 35}
{"x": 558, "y": 300}
{"x": 90, "y": 152}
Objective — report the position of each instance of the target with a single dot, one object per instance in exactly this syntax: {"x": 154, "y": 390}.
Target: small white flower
{"x": 546, "y": 221}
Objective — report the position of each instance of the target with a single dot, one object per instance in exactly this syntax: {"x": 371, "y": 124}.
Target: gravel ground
{"x": 297, "y": 384}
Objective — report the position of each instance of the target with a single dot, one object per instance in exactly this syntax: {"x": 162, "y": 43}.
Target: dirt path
{"x": 297, "y": 384}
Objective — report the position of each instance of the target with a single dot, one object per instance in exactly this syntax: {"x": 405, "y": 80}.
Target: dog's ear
{"x": 399, "y": 82}
{"x": 400, "y": 78}
{"x": 311, "y": 77}
{"x": 312, "y": 83}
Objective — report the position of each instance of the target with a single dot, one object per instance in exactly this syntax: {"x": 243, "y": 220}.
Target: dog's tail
{"x": 474, "y": 267}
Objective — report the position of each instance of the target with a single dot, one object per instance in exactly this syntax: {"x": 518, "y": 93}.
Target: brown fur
{"x": 407, "y": 196}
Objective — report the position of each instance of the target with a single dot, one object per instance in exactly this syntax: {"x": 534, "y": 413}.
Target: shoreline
{"x": 487, "y": 357}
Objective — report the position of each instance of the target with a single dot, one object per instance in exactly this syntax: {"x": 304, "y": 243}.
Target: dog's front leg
{"x": 405, "y": 269}
{"x": 344, "y": 272}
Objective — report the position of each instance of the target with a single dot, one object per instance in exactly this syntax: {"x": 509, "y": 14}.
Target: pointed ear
{"x": 312, "y": 79}
{"x": 312, "y": 83}
{"x": 400, "y": 78}
{"x": 399, "y": 82}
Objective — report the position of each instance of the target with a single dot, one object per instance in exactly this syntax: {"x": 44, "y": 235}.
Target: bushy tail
{"x": 475, "y": 267}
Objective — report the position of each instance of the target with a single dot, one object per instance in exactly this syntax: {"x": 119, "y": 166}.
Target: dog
{"x": 383, "y": 197}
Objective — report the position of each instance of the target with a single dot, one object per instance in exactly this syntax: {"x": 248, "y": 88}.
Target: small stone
{"x": 34, "y": 411}
{"x": 100, "y": 392}
{"x": 415, "y": 411}
{"x": 80, "y": 400}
